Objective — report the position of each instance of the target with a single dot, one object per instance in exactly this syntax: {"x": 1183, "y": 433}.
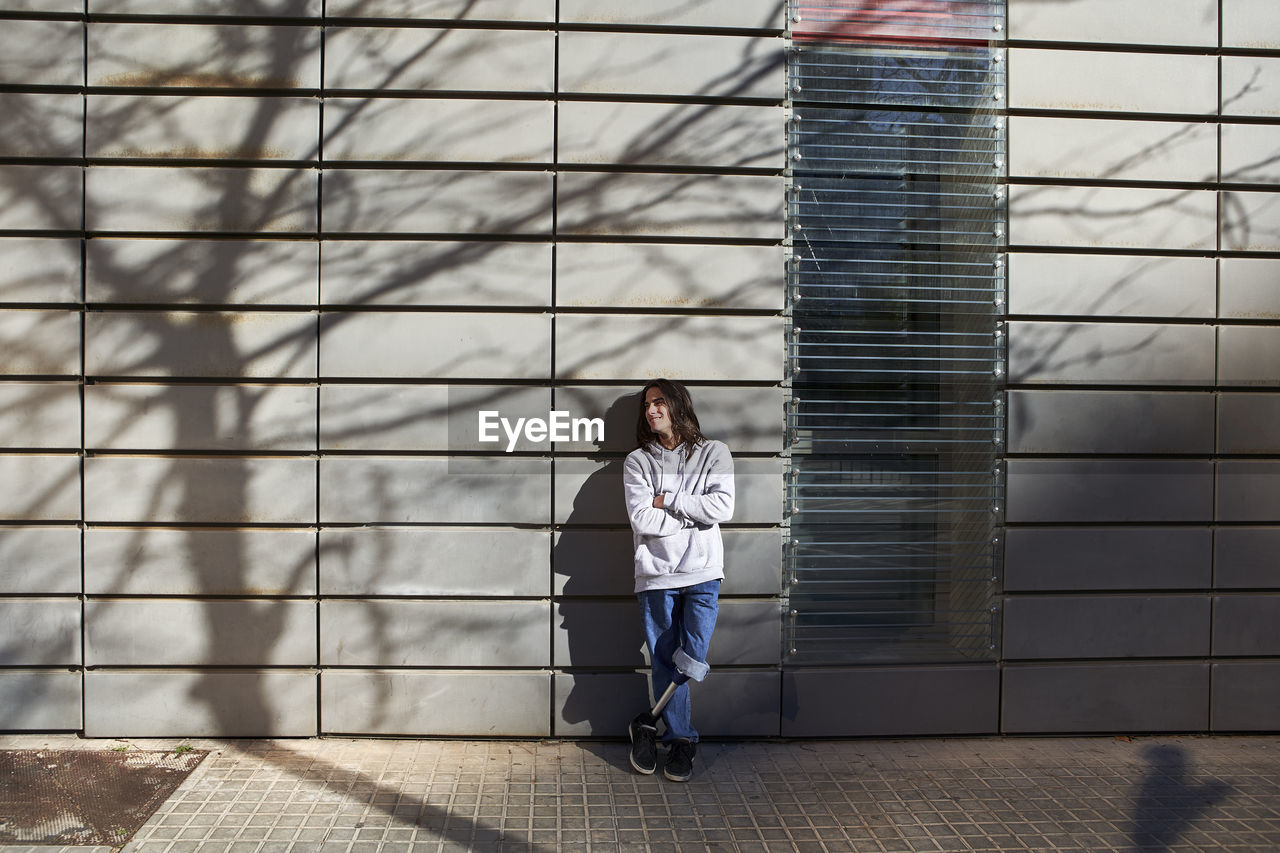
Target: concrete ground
{"x": 957, "y": 794}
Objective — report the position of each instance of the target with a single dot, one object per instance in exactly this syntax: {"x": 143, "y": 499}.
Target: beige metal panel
{"x": 43, "y": 414}
{"x": 1111, "y": 353}
{"x": 202, "y": 272}
{"x": 1112, "y": 217}
{"x": 1251, "y": 86}
{"x": 414, "y": 272}
{"x": 436, "y": 345}
{"x": 225, "y": 490}
{"x": 1251, "y": 153}
{"x": 1248, "y": 288}
{"x": 182, "y": 127}
{"x": 649, "y": 205}
{"x": 222, "y": 632}
{"x": 1251, "y": 23}
{"x": 39, "y": 488}
{"x": 39, "y": 631}
{"x": 426, "y": 417}
{"x": 72, "y": 6}
{"x": 237, "y": 8}
{"x": 746, "y": 419}
{"x": 222, "y": 344}
{"x": 1251, "y": 221}
{"x": 536, "y": 11}
{"x": 629, "y": 63}
{"x": 653, "y": 275}
{"x": 236, "y": 56}
{"x": 429, "y": 59}
{"x": 458, "y": 489}
{"x": 42, "y": 53}
{"x": 145, "y": 198}
{"x": 438, "y": 129}
{"x": 1107, "y": 149}
{"x": 687, "y": 135}
{"x": 40, "y": 700}
{"x": 34, "y": 341}
{"x": 439, "y": 202}
{"x": 1111, "y": 285}
{"x": 37, "y": 198}
{"x": 477, "y": 562}
{"x": 200, "y": 417}
{"x": 191, "y": 703}
{"x": 387, "y": 632}
{"x": 40, "y": 560}
{"x": 1095, "y": 80}
{"x": 162, "y": 561}
{"x": 637, "y": 347}
{"x": 39, "y": 269}
{"x": 738, "y": 14}
{"x": 436, "y": 703}
{"x": 41, "y": 125}
{"x": 1157, "y": 22}
{"x": 1249, "y": 355}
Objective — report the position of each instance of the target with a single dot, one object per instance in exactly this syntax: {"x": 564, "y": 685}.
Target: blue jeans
{"x": 678, "y": 619}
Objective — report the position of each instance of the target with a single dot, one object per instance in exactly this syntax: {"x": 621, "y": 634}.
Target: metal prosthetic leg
{"x": 686, "y": 668}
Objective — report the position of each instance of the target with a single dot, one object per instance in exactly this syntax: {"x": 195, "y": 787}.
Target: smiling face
{"x": 657, "y": 413}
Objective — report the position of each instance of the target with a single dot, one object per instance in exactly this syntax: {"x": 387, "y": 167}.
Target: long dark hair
{"x": 684, "y": 421}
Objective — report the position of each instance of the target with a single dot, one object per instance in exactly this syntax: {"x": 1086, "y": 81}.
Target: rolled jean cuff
{"x": 685, "y": 665}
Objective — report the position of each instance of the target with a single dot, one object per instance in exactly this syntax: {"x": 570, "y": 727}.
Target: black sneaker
{"x": 679, "y": 766}
{"x": 644, "y": 745}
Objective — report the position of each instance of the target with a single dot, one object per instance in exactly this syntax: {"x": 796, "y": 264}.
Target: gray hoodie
{"x": 678, "y": 545}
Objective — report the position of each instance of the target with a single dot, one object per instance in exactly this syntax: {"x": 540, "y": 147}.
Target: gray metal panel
{"x": 446, "y": 59}
{"x": 219, "y": 632}
{"x": 1110, "y": 422}
{"x": 1249, "y": 355}
{"x": 1248, "y": 287}
{"x": 1112, "y": 626}
{"x": 238, "y": 8}
{"x": 40, "y": 488}
{"x": 202, "y": 272}
{"x": 200, "y": 417}
{"x": 207, "y": 56}
{"x": 39, "y": 269}
{"x": 398, "y": 490}
{"x": 738, "y": 14}
{"x": 158, "y": 561}
{"x": 445, "y": 562}
{"x": 1250, "y": 23}
{"x": 652, "y": 275}
{"x": 387, "y": 201}
{"x": 191, "y": 703}
{"x": 731, "y": 703}
{"x": 747, "y": 419}
{"x": 1155, "y": 22}
{"x": 39, "y": 415}
{"x": 919, "y": 700}
{"x": 40, "y": 197}
{"x": 1111, "y": 353}
{"x": 37, "y": 700}
{"x": 1246, "y": 625}
{"x": 1111, "y": 285}
{"x": 1249, "y": 423}
{"x": 1250, "y": 153}
{"x": 387, "y": 632}
{"x": 600, "y": 562}
{"x": 180, "y": 127}
{"x": 39, "y": 342}
{"x": 438, "y": 704}
{"x": 667, "y": 64}
{"x": 413, "y": 272}
{"x": 1246, "y": 696}
{"x": 607, "y": 633}
{"x": 1249, "y": 491}
{"x": 39, "y": 631}
{"x": 42, "y": 53}
{"x": 1249, "y": 85}
{"x": 1251, "y": 220}
{"x": 1127, "y": 218}
{"x": 1066, "y": 559}
{"x": 1112, "y": 81}
{"x": 1113, "y": 697}
{"x": 226, "y": 490}
{"x": 200, "y": 198}
{"x": 446, "y": 10}
{"x": 1245, "y": 557}
{"x": 40, "y": 560}
{"x": 1111, "y": 149}
{"x": 1087, "y": 490}
{"x": 41, "y": 125}
{"x": 438, "y": 129}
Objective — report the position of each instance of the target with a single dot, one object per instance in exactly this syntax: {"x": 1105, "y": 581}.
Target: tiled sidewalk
{"x": 1050, "y": 794}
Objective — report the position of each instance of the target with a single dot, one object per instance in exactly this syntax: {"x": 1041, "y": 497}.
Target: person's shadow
{"x": 1168, "y": 802}
{"x": 599, "y": 654}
